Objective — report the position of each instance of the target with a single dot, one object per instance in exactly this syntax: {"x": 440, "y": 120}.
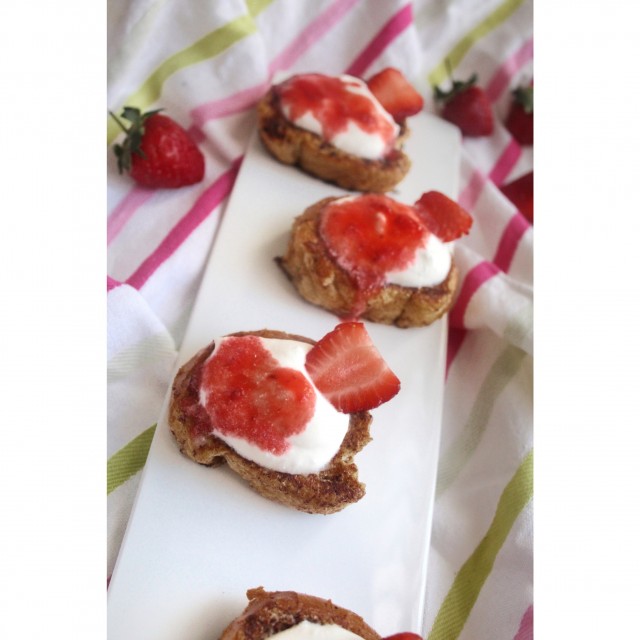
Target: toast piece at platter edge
{"x": 271, "y": 612}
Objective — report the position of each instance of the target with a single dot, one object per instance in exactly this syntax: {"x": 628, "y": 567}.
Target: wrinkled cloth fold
{"x": 206, "y": 64}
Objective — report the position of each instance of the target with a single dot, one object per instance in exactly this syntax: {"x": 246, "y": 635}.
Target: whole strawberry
{"x": 157, "y": 152}
{"x": 519, "y": 120}
{"x": 466, "y": 105}
{"x": 520, "y": 192}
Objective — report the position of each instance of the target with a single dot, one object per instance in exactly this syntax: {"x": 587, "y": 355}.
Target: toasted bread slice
{"x": 319, "y": 280}
{"x": 269, "y": 613}
{"x": 328, "y": 491}
{"x": 295, "y": 146}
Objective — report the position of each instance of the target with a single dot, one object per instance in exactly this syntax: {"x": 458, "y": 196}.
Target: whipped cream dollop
{"x": 367, "y": 130}
{"x": 309, "y": 451}
{"x": 430, "y": 267}
{"x": 430, "y": 263}
{"x": 306, "y": 630}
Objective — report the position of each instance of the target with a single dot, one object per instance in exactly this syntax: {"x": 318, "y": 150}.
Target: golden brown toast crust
{"x": 295, "y": 146}
{"x": 271, "y": 612}
{"x": 325, "y": 492}
{"x": 319, "y": 280}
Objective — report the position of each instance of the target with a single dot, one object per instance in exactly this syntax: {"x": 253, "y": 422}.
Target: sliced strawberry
{"x": 349, "y": 371}
{"x": 443, "y": 216}
{"x": 405, "y": 635}
{"x": 519, "y": 120}
{"x": 467, "y": 106}
{"x": 395, "y": 94}
{"x": 520, "y": 192}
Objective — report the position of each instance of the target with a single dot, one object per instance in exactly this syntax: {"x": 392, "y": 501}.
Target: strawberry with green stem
{"x": 520, "y": 192}
{"x": 467, "y": 106}
{"x": 519, "y": 120}
{"x": 157, "y": 152}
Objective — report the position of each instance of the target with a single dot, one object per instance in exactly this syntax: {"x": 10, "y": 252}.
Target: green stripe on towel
{"x": 129, "y": 460}
{"x": 457, "y": 455}
{"x": 466, "y": 587}
{"x": 256, "y": 7}
{"x": 207, "y": 47}
{"x": 494, "y": 19}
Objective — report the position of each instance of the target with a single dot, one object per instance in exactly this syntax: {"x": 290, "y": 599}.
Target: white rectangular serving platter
{"x": 198, "y": 537}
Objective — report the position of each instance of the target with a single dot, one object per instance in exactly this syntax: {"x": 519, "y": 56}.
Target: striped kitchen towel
{"x": 208, "y": 74}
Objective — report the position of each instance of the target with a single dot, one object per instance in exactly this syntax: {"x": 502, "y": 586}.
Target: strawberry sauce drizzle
{"x": 250, "y": 396}
{"x": 332, "y": 103}
{"x": 368, "y": 237}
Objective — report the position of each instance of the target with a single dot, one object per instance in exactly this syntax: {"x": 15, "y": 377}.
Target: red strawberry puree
{"x": 334, "y": 106}
{"x": 250, "y": 396}
{"x": 369, "y": 236}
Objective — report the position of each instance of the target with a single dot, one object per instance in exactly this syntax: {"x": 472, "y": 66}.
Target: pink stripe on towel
{"x": 502, "y": 77}
{"x": 125, "y": 209}
{"x": 207, "y": 202}
{"x": 389, "y": 32}
{"x": 482, "y": 272}
{"x": 525, "y": 632}
{"x": 313, "y": 32}
{"x": 509, "y": 241}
